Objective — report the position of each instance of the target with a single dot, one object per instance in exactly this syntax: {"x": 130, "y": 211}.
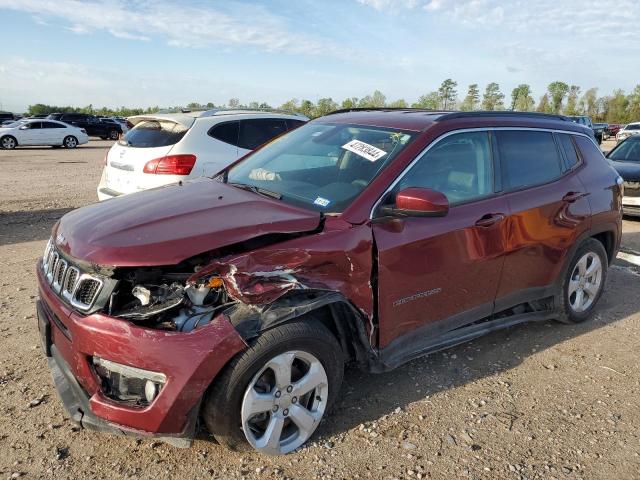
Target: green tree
{"x": 290, "y": 105}
{"x": 430, "y": 100}
{"x": 194, "y": 106}
{"x": 557, "y": 92}
{"x": 544, "y": 106}
{"x": 493, "y": 98}
{"x": 572, "y": 108}
{"x": 589, "y": 103}
{"x": 616, "y": 107}
{"x": 472, "y": 100}
{"x": 307, "y": 108}
{"x": 400, "y": 103}
{"x": 376, "y": 100}
{"x": 325, "y": 106}
{"x": 521, "y": 98}
{"x": 448, "y": 94}
{"x": 633, "y": 109}
{"x": 233, "y": 103}
{"x": 351, "y": 102}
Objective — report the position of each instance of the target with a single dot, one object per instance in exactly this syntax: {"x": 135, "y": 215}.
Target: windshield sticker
{"x": 365, "y": 150}
{"x": 323, "y": 202}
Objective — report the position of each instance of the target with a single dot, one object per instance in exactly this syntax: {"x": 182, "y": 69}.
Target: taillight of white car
{"x": 181, "y": 164}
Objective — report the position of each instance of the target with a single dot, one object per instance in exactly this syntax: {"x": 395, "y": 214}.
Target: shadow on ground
{"x": 28, "y": 225}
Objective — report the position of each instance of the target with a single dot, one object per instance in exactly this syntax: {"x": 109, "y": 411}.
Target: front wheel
{"x": 8, "y": 142}
{"x": 584, "y": 282}
{"x": 70, "y": 142}
{"x": 273, "y": 395}
{"x": 114, "y": 135}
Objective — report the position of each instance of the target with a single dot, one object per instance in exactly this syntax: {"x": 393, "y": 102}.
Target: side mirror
{"x": 419, "y": 202}
{"x": 24, "y": 127}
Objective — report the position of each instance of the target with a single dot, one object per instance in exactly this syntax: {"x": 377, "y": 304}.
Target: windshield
{"x": 627, "y": 151}
{"x": 321, "y": 166}
{"x": 15, "y": 124}
{"x": 154, "y": 133}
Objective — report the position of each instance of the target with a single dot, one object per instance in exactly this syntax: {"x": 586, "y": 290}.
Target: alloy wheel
{"x": 8, "y": 143}
{"x": 585, "y": 282}
{"x": 70, "y": 142}
{"x": 284, "y": 402}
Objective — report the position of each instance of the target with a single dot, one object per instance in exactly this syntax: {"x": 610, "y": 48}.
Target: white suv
{"x": 628, "y": 131}
{"x": 167, "y": 148}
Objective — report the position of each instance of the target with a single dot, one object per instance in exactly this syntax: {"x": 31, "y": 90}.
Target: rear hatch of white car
{"x": 142, "y": 158}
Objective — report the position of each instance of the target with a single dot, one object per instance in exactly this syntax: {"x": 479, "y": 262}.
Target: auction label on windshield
{"x": 365, "y": 150}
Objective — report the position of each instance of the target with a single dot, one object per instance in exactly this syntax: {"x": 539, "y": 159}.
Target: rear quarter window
{"x": 528, "y": 158}
{"x": 226, "y": 132}
{"x": 569, "y": 150}
{"x": 154, "y": 133}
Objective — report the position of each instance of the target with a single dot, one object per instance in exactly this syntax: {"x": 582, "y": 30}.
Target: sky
{"x": 141, "y": 53}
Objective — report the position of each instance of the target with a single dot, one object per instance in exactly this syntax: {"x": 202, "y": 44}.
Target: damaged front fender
{"x": 338, "y": 259}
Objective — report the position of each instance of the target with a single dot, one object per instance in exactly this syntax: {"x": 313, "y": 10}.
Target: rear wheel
{"x": 70, "y": 141}
{"x": 114, "y": 135}
{"x": 273, "y": 395}
{"x": 584, "y": 282}
{"x": 8, "y": 142}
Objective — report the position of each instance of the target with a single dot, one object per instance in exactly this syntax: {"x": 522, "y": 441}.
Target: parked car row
{"x": 368, "y": 236}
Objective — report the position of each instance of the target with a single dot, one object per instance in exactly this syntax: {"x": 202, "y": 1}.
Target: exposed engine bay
{"x": 163, "y": 299}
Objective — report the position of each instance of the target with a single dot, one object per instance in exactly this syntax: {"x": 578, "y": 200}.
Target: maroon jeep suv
{"x": 365, "y": 236}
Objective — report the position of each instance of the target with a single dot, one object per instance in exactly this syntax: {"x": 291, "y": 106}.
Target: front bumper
{"x": 190, "y": 362}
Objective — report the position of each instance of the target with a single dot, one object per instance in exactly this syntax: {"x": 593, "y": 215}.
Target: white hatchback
{"x": 41, "y": 132}
{"x": 168, "y": 148}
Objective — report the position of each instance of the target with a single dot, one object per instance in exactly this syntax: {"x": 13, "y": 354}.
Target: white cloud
{"x": 585, "y": 19}
{"x": 181, "y": 25}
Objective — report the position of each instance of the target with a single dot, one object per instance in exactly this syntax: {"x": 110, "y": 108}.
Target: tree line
{"x": 559, "y": 98}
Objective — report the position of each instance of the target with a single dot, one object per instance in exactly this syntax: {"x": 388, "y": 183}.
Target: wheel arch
{"x": 345, "y": 322}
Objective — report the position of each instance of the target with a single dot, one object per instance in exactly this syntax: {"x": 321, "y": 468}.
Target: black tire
{"x": 114, "y": 135}
{"x": 8, "y": 142}
{"x": 70, "y": 141}
{"x": 104, "y": 137}
{"x": 222, "y": 405}
{"x": 566, "y": 313}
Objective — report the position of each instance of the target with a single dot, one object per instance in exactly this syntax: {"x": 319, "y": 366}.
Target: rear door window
{"x": 295, "y": 123}
{"x": 527, "y": 158}
{"x": 256, "y": 132}
{"x": 226, "y": 132}
{"x": 154, "y": 133}
{"x": 51, "y": 125}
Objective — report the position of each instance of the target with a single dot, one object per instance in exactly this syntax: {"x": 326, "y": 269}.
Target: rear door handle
{"x": 490, "y": 219}
{"x": 573, "y": 196}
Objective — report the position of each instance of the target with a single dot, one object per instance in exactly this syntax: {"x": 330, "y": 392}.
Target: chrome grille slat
{"x": 79, "y": 289}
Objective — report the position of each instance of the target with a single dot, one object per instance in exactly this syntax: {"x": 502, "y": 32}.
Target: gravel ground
{"x": 536, "y": 401}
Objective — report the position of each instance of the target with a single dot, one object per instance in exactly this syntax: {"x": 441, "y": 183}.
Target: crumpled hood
{"x": 166, "y": 225}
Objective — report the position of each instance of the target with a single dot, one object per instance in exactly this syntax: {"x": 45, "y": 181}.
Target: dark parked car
{"x": 371, "y": 237}
{"x": 586, "y": 121}
{"x": 4, "y": 116}
{"x": 92, "y": 124}
{"x": 625, "y": 158}
{"x": 600, "y": 131}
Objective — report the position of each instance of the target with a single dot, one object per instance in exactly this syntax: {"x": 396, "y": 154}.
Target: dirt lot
{"x": 537, "y": 401}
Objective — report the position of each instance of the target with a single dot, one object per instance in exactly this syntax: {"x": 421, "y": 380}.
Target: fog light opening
{"x": 127, "y": 384}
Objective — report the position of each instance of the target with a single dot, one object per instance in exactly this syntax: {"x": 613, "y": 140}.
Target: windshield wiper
{"x": 259, "y": 190}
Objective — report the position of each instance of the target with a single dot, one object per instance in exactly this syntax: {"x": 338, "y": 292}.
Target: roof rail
{"x": 389, "y": 109}
{"x": 222, "y": 111}
{"x": 502, "y": 113}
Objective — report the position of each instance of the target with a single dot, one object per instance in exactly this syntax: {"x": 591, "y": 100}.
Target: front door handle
{"x": 490, "y": 219}
{"x": 573, "y": 196}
